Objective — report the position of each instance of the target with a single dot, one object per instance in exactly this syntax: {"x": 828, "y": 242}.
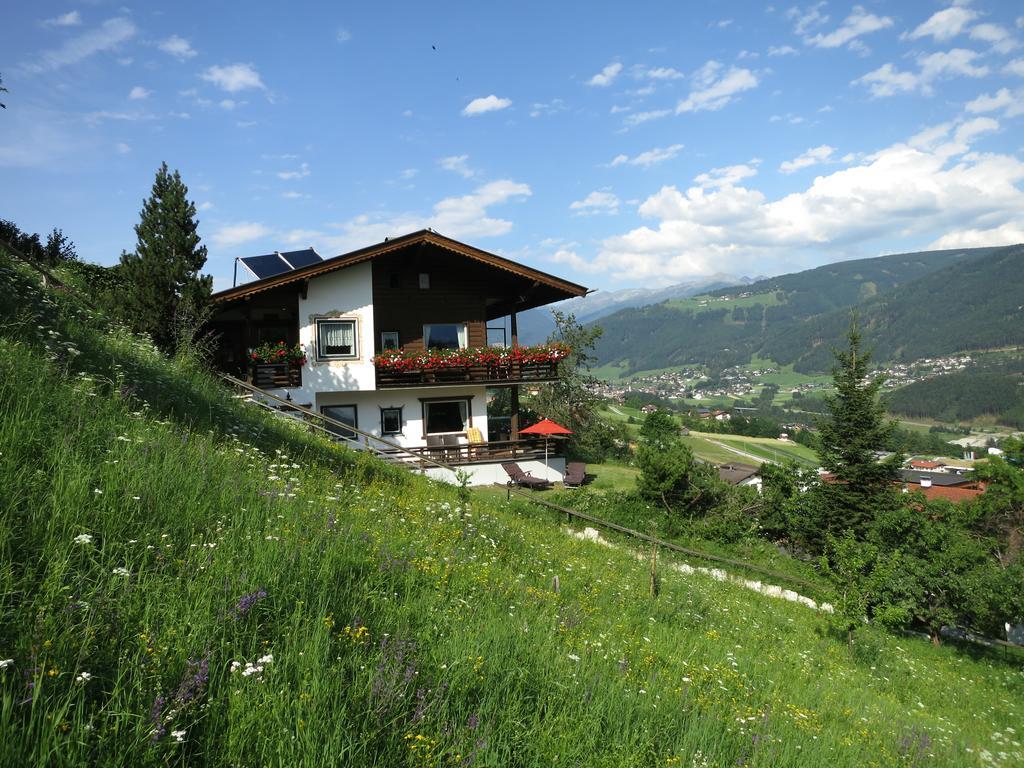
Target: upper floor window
{"x": 445, "y": 336}
{"x": 335, "y": 339}
{"x": 424, "y": 280}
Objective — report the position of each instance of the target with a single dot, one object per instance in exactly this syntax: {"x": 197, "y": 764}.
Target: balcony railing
{"x": 507, "y": 373}
{"x": 276, "y": 375}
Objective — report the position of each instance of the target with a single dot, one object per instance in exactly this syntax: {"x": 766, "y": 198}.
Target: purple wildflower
{"x": 246, "y": 602}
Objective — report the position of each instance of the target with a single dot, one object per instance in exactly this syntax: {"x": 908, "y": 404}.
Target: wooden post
{"x": 514, "y": 395}
{"x": 654, "y": 570}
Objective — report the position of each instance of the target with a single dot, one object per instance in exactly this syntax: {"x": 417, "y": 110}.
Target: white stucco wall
{"x": 345, "y": 294}
{"x": 368, "y": 405}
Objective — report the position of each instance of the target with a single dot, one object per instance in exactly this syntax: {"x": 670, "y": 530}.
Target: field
{"x": 187, "y": 582}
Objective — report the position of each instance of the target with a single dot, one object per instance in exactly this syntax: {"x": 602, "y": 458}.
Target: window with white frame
{"x": 335, "y": 339}
{"x": 445, "y": 336}
{"x": 441, "y": 416}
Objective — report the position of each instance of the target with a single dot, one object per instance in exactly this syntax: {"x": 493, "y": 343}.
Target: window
{"x": 389, "y": 340}
{"x": 346, "y": 414}
{"x": 444, "y": 336}
{"x": 336, "y": 339}
{"x": 424, "y": 280}
{"x": 446, "y": 416}
{"x": 390, "y": 421}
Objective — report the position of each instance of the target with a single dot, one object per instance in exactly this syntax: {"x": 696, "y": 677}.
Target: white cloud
{"x": 713, "y": 88}
{"x": 945, "y": 24}
{"x": 606, "y": 76}
{"x": 485, "y": 104}
{"x": 301, "y": 173}
{"x": 461, "y": 217}
{"x": 967, "y": 130}
{"x": 858, "y": 23}
{"x": 1010, "y": 233}
{"x": 807, "y": 18}
{"x": 243, "y": 232}
{"x": 342, "y": 35}
{"x": 1015, "y": 67}
{"x": 597, "y": 202}
{"x": 291, "y": 194}
{"x": 178, "y": 47}
{"x": 138, "y": 92}
{"x": 644, "y": 117}
{"x": 206, "y": 205}
{"x": 122, "y": 148}
{"x": 648, "y": 158}
{"x": 899, "y": 192}
{"x": 227, "y": 104}
{"x": 1003, "y": 99}
{"x": 408, "y": 173}
{"x": 812, "y": 156}
{"x": 233, "y": 77}
{"x": 782, "y": 50}
{"x": 998, "y": 37}
{"x": 69, "y": 19}
{"x": 109, "y": 35}
{"x": 727, "y": 176}
{"x": 305, "y": 236}
{"x": 552, "y": 107}
{"x": 888, "y": 81}
{"x": 457, "y": 164}
{"x": 663, "y": 73}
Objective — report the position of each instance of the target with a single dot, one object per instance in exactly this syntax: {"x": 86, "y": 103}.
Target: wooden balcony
{"x": 479, "y": 453}
{"x": 276, "y": 375}
{"x": 489, "y": 375}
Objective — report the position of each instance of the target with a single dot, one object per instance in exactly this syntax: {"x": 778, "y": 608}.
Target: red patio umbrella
{"x": 546, "y": 427}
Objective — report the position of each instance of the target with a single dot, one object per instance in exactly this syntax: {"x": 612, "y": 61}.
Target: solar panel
{"x": 302, "y": 258}
{"x": 265, "y": 266}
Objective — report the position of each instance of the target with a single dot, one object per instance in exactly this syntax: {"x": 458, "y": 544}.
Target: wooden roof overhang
{"x": 520, "y": 289}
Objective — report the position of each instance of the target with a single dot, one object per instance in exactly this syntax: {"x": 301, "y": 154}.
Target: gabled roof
{"x": 737, "y": 473}
{"x": 562, "y": 288}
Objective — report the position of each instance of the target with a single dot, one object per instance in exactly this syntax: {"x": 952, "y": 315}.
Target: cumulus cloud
{"x": 901, "y": 191}
{"x": 998, "y": 37}
{"x": 178, "y": 47}
{"x": 813, "y": 156}
{"x": 1010, "y": 233}
{"x": 234, "y": 77}
{"x": 648, "y": 158}
{"x": 857, "y": 24}
{"x": 805, "y": 19}
{"x": 457, "y": 164}
{"x": 465, "y": 216}
{"x": 1010, "y": 102}
{"x": 782, "y": 50}
{"x": 606, "y": 76}
{"x": 301, "y": 173}
{"x": 727, "y": 176}
{"x": 243, "y": 232}
{"x": 109, "y": 35}
{"x": 945, "y": 24}
{"x": 69, "y": 19}
{"x": 663, "y": 73}
{"x": 887, "y": 80}
{"x": 1015, "y": 67}
{"x": 714, "y": 87}
{"x": 597, "y": 202}
{"x": 485, "y": 104}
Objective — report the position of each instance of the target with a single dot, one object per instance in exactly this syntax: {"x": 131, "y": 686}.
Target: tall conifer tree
{"x": 854, "y": 429}
{"x": 162, "y": 274}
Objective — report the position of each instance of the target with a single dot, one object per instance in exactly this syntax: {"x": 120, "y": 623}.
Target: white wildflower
{"x": 5, "y": 663}
{"x": 83, "y": 538}
{"x": 83, "y": 677}
{"x": 179, "y": 736}
{"x": 574, "y": 657}
{"x": 268, "y": 659}
{"x": 120, "y": 571}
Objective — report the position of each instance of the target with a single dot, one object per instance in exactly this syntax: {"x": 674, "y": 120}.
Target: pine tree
{"x": 854, "y": 429}
{"x": 162, "y": 274}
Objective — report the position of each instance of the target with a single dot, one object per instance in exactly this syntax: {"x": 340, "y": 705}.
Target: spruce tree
{"x": 853, "y": 430}
{"x": 162, "y": 274}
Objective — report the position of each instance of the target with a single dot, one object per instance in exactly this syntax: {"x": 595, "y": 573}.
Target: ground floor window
{"x": 346, "y": 414}
{"x": 390, "y": 421}
{"x": 440, "y": 416}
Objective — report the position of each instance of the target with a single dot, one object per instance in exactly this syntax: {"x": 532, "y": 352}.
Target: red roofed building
{"x": 928, "y": 465}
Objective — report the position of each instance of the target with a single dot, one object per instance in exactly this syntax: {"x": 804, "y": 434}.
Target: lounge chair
{"x": 523, "y": 479}
{"x": 575, "y": 474}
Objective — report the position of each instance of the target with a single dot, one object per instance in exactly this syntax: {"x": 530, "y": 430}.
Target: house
{"x": 392, "y": 339}
{"x": 649, "y": 408}
{"x": 928, "y": 466}
{"x": 741, "y": 474}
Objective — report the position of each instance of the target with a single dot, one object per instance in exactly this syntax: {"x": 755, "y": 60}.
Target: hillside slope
{"x": 186, "y": 582}
{"x": 727, "y": 327}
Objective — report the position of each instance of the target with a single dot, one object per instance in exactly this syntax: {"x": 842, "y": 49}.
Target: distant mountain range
{"x": 536, "y": 325}
{"x": 911, "y": 305}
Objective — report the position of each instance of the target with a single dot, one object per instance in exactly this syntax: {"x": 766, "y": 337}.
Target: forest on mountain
{"x": 911, "y": 306}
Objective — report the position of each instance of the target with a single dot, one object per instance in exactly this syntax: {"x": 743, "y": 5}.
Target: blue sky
{"x": 616, "y": 145}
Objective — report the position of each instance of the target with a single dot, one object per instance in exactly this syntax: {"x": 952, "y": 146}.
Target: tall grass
{"x": 186, "y": 582}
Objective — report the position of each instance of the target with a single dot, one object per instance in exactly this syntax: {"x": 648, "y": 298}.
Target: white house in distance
{"x": 393, "y": 339}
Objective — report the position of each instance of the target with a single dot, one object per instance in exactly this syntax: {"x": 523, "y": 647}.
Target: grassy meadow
{"x": 184, "y": 581}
